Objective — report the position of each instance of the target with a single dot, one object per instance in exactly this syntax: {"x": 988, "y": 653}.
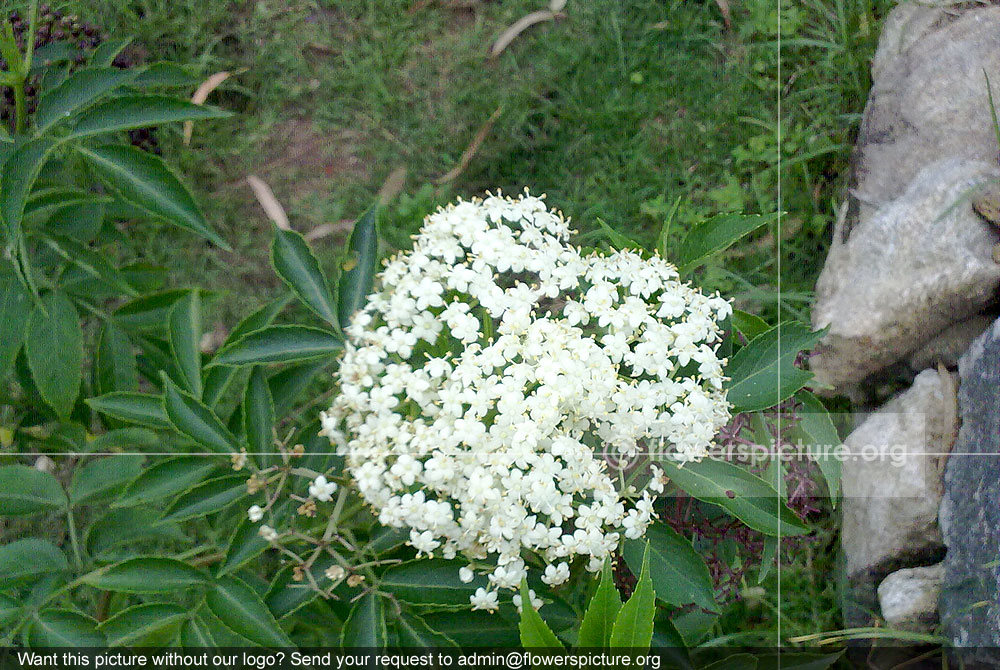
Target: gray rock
{"x": 928, "y": 99}
{"x": 923, "y": 262}
{"x": 970, "y": 599}
{"x": 909, "y": 598}
{"x": 948, "y": 346}
{"x": 892, "y": 490}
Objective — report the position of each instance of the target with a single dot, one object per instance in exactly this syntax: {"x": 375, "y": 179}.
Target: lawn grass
{"x": 619, "y": 110}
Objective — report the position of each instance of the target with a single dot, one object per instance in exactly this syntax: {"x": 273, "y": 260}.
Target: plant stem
{"x": 29, "y": 44}
{"x": 20, "y": 107}
{"x": 73, "y": 539}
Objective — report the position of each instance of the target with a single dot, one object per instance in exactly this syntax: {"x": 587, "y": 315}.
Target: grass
{"x": 620, "y": 110}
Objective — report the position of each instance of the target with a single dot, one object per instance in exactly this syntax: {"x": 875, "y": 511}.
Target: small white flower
{"x": 484, "y": 600}
{"x": 466, "y": 575}
{"x": 335, "y": 573}
{"x": 268, "y": 533}
{"x": 255, "y": 513}
{"x": 322, "y": 490}
{"x": 556, "y": 574}
{"x": 536, "y": 602}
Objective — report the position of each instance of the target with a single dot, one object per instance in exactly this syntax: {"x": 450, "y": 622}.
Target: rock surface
{"x": 970, "y": 512}
{"x": 892, "y": 490}
{"x": 921, "y": 263}
{"x": 909, "y": 598}
{"x": 948, "y": 346}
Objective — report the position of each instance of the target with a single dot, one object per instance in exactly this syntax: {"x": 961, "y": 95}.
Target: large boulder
{"x": 892, "y": 489}
{"x": 970, "y": 511}
{"x": 921, "y": 263}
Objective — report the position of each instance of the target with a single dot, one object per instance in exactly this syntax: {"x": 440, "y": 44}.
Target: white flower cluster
{"x": 498, "y": 383}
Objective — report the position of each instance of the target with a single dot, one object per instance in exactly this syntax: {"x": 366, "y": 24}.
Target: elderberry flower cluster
{"x": 499, "y": 388}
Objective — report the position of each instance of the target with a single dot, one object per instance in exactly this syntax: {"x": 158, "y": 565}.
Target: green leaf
{"x": 168, "y": 478}
{"x": 143, "y": 180}
{"x": 103, "y": 476}
{"x": 279, "y": 344}
{"x": 140, "y": 111}
{"x": 243, "y": 611}
{"x": 356, "y": 283}
{"x": 595, "y": 629}
{"x": 31, "y": 557}
{"x": 152, "y": 624}
{"x": 535, "y": 633}
{"x": 294, "y": 262}
{"x": 196, "y": 633}
{"x": 415, "y": 633}
{"x": 750, "y": 325}
{"x": 617, "y": 240}
{"x": 80, "y": 89}
{"x": 744, "y": 495}
{"x": 429, "y": 581}
{"x": 815, "y": 429}
{"x": 105, "y": 54}
{"x": 716, "y": 234}
{"x": 191, "y": 417}
{"x": 63, "y": 628}
{"x": 797, "y": 660}
{"x": 184, "y": 328}
{"x": 767, "y": 557}
{"x": 258, "y": 413}
{"x": 54, "y": 350}
{"x": 25, "y": 490}
{"x": 144, "y": 409}
{"x": 120, "y": 526}
{"x": 19, "y": 175}
{"x": 633, "y": 628}
{"x": 9, "y": 609}
{"x": 287, "y": 384}
{"x": 164, "y": 74}
{"x": 130, "y": 439}
{"x": 114, "y": 363}
{"x": 148, "y": 311}
{"x": 147, "y": 575}
{"x": 15, "y": 307}
{"x": 679, "y": 573}
{"x": 763, "y": 373}
{"x": 208, "y": 497}
{"x": 475, "y": 629}
{"x": 365, "y": 627}
{"x": 245, "y": 544}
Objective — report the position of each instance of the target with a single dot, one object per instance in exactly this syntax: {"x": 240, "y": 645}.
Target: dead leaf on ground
{"x": 470, "y": 151}
{"x": 201, "y": 95}
{"x": 324, "y": 229}
{"x": 726, "y": 16}
{"x": 273, "y": 208}
{"x": 524, "y": 23}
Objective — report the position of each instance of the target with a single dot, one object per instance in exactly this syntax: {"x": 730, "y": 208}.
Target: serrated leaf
{"x": 104, "y": 55}
{"x": 139, "y": 111}
{"x": 750, "y": 325}
{"x": 535, "y": 633}
{"x": 152, "y": 624}
{"x": 208, "y": 497}
{"x": 816, "y": 430}
{"x": 143, "y": 180}
{"x": 64, "y": 628}
{"x": 31, "y": 557}
{"x": 195, "y": 633}
{"x": 54, "y": 350}
{"x": 365, "y": 627}
{"x": 716, "y": 234}
{"x": 258, "y": 413}
{"x": 148, "y": 311}
{"x": 744, "y": 495}
{"x": 633, "y": 627}
{"x": 184, "y": 330}
{"x": 245, "y": 544}
{"x": 15, "y": 307}
{"x": 430, "y": 582}
{"x": 296, "y": 265}
{"x": 475, "y": 629}
{"x": 144, "y": 409}
{"x": 80, "y": 89}
{"x": 168, "y": 478}
{"x": 164, "y": 74}
{"x": 19, "y": 174}
{"x": 191, "y": 417}
{"x": 763, "y": 373}
{"x": 279, "y": 344}
{"x": 115, "y": 367}
{"x": 25, "y": 490}
{"x": 680, "y": 576}
{"x": 599, "y": 618}
{"x": 242, "y": 610}
{"x": 132, "y": 524}
{"x": 151, "y": 574}
{"x": 103, "y": 476}
{"x": 356, "y": 283}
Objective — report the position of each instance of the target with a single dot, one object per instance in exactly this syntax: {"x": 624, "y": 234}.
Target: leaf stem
{"x": 73, "y": 538}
